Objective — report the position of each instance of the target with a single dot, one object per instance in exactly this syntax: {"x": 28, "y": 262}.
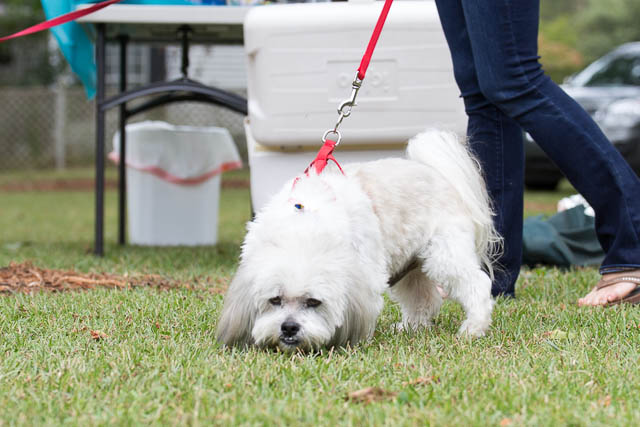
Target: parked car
{"x": 609, "y": 90}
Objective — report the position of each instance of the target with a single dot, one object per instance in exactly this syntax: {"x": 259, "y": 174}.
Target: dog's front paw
{"x": 471, "y": 328}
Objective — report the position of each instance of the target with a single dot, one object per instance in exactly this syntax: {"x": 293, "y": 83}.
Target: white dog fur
{"x": 314, "y": 277}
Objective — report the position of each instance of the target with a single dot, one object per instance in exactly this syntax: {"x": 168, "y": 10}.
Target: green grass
{"x": 544, "y": 362}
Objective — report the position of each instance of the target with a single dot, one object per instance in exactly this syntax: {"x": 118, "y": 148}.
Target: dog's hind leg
{"x": 451, "y": 260}
{"x": 418, "y": 298}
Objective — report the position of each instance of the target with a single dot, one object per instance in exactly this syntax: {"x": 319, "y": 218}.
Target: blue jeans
{"x": 494, "y": 50}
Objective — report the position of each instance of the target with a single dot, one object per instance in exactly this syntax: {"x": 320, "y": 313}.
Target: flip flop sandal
{"x": 632, "y": 276}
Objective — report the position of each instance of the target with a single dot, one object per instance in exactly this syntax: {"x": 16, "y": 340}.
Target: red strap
{"x": 322, "y": 158}
{"x": 364, "y": 64}
{"x": 62, "y": 19}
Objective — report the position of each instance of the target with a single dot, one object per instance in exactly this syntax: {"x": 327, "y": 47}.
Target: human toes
{"x": 603, "y": 296}
{"x": 588, "y": 299}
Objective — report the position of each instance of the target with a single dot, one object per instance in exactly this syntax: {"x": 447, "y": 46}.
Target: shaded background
{"x": 47, "y": 122}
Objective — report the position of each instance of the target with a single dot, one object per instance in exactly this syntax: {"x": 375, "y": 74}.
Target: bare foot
{"x": 609, "y": 294}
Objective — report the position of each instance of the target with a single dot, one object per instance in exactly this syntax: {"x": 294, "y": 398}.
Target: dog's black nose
{"x": 289, "y": 328}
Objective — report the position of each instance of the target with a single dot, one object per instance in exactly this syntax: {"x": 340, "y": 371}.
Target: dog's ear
{"x": 360, "y": 318}
{"x": 238, "y": 313}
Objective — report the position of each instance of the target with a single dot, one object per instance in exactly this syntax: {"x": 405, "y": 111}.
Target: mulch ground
{"x": 27, "y": 278}
{"x": 87, "y": 185}
{"x": 55, "y": 185}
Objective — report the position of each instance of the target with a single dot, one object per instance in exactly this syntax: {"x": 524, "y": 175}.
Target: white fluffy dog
{"x": 317, "y": 259}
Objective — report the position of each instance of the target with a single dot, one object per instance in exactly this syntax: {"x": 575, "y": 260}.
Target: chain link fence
{"x": 43, "y": 127}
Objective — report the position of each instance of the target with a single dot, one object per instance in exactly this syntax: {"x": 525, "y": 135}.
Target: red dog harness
{"x": 322, "y": 158}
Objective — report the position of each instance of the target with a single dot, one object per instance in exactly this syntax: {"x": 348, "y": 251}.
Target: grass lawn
{"x": 544, "y": 361}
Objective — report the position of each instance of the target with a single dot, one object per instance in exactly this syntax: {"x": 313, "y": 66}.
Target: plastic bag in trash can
{"x": 184, "y": 155}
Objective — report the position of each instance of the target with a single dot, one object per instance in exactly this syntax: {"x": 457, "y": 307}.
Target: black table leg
{"x": 122, "y": 176}
{"x": 100, "y": 129}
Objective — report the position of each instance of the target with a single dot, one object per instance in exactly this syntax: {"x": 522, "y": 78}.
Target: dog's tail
{"x": 450, "y": 156}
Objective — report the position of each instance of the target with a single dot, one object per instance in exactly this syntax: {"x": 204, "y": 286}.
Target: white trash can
{"x": 173, "y": 181}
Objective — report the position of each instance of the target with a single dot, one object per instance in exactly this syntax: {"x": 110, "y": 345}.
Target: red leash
{"x": 364, "y": 64}
{"x": 59, "y": 20}
{"x": 326, "y": 152}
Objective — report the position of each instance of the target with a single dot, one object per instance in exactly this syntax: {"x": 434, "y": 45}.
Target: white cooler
{"x": 173, "y": 182}
{"x": 301, "y": 61}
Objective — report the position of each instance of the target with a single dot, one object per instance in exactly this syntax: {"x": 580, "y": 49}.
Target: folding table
{"x": 154, "y": 24}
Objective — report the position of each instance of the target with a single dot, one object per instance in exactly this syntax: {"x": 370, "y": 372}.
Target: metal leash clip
{"x": 345, "y": 109}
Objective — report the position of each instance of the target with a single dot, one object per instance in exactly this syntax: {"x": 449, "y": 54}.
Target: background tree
{"x": 605, "y": 24}
{"x": 573, "y": 33}
{"x": 26, "y": 60}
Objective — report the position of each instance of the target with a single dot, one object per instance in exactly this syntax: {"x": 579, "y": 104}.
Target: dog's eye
{"x": 312, "y": 302}
{"x": 275, "y": 301}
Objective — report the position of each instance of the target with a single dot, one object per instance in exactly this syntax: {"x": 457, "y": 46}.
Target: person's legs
{"x": 496, "y": 140}
{"x": 503, "y": 37}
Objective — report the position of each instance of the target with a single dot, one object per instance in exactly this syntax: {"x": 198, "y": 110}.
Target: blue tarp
{"x": 77, "y": 46}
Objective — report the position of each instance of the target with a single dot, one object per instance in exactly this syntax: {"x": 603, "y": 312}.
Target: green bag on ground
{"x": 565, "y": 239}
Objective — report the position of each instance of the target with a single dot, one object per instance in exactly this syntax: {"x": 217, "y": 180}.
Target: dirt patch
{"x": 87, "y": 185}
{"x": 235, "y": 183}
{"x": 370, "y": 395}
{"x": 55, "y": 185}
{"x": 27, "y": 278}
{"x": 550, "y": 207}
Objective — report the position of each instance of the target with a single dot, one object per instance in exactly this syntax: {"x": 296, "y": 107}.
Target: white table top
{"x": 220, "y": 24}
{"x": 167, "y": 14}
